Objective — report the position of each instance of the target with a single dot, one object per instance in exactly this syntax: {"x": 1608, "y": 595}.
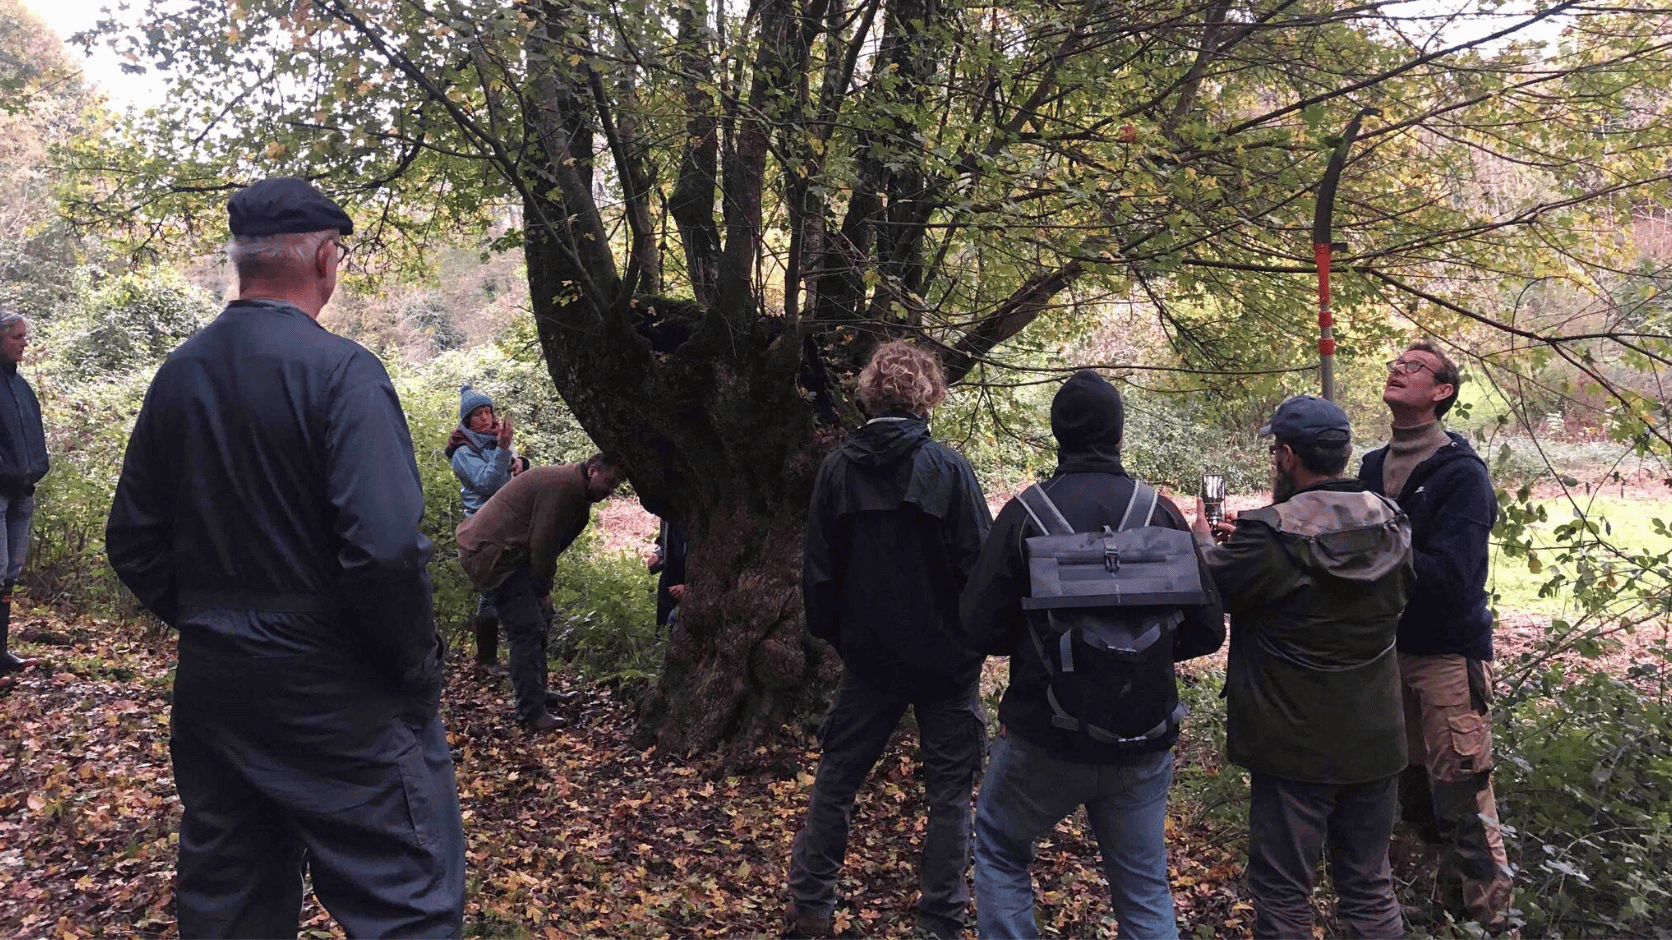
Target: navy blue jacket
{"x": 895, "y": 526}
{"x": 22, "y": 439}
{"x": 1452, "y": 507}
{"x": 270, "y": 497}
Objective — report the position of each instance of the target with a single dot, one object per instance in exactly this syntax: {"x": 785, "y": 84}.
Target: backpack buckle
{"x": 1111, "y": 554}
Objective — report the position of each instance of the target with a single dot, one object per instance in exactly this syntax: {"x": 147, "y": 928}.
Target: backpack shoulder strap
{"x": 1144, "y": 497}
{"x": 1043, "y": 512}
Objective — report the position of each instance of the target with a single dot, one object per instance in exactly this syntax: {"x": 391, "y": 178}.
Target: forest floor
{"x": 576, "y": 833}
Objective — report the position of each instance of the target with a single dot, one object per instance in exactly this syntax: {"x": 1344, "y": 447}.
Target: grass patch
{"x": 1517, "y": 582}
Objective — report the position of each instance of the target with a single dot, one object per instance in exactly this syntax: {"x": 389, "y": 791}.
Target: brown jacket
{"x": 529, "y": 522}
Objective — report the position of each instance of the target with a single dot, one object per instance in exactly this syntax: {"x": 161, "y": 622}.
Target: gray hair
{"x": 271, "y": 254}
{"x": 9, "y": 319}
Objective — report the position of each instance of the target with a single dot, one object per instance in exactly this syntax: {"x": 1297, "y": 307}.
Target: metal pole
{"x": 1323, "y": 246}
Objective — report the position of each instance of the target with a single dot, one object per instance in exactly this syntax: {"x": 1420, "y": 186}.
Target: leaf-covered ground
{"x": 576, "y": 833}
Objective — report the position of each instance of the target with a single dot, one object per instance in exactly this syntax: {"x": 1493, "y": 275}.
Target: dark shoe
{"x": 546, "y": 722}
{"x": 561, "y": 699}
{"x": 10, "y": 663}
{"x": 932, "y": 927}
{"x": 807, "y": 923}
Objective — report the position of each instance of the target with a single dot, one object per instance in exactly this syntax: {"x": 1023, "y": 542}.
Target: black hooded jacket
{"x": 895, "y": 525}
{"x": 1092, "y": 490}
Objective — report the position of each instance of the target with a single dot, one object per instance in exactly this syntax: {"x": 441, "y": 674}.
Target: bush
{"x": 1005, "y": 433}
{"x": 87, "y": 424}
{"x": 1585, "y": 773}
{"x": 606, "y": 608}
{"x": 1169, "y": 441}
{"x": 131, "y": 323}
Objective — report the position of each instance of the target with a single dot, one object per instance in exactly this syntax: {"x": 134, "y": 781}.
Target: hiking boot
{"x": 807, "y": 923}
{"x": 544, "y": 722}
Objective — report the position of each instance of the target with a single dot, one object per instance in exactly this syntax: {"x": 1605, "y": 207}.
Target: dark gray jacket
{"x": 271, "y": 472}
{"x": 1091, "y": 490}
{"x": 23, "y": 458}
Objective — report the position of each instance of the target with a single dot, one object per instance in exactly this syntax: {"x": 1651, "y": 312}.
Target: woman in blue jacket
{"x": 22, "y": 464}
{"x": 483, "y": 460}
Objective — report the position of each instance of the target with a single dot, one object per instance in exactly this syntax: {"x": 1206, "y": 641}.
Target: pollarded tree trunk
{"x": 739, "y": 664}
{"x": 717, "y": 431}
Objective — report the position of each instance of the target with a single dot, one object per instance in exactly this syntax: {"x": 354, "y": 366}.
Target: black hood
{"x": 1088, "y": 419}
{"x": 886, "y": 439}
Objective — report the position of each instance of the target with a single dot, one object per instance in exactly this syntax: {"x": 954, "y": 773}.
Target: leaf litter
{"x": 577, "y": 833}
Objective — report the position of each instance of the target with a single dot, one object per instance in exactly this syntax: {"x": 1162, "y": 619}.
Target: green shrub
{"x": 606, "y": 608}
{"x": 1005, "y": 433}
{"x": 130, "y": 323}
{"x": 1207, "y": 789}
{"x": 1585, "y": 791}
{"x": 1169, "y": 441}
{"x": 87, "y": 424}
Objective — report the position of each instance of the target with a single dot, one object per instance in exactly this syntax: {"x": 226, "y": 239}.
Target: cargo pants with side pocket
{"x": 1447, "y": 792}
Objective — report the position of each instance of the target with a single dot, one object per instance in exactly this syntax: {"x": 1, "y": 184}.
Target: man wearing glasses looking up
{"x": 268, "y": 509}
{"x": 1445, "y": 634}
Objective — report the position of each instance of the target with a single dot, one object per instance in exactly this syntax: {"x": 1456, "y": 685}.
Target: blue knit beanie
{"x": 470, "y": 400}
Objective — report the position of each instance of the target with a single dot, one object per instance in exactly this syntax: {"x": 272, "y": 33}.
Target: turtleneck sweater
{"x": 1408, "y": 448}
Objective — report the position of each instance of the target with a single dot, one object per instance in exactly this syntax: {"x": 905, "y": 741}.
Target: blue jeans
{"x": 856, "y": 730}
{"x": 1027, "y": 792}
{"x": 17, "y": 511}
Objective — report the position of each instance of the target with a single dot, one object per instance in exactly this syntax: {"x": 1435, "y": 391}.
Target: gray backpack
{"x": 1102, "y": 613}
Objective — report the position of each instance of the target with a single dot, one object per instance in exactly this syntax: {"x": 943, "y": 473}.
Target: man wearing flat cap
{"x": 268, "y": 509}
{"x": 1314, "y": 584}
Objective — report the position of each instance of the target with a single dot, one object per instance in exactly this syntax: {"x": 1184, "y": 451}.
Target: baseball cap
{"x": 1308, "y": 419}
{"x": 284, "y": 205}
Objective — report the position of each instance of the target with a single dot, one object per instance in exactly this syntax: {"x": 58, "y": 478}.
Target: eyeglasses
{"x": 1408, "y": 366}
{"x": 343, "y": 248}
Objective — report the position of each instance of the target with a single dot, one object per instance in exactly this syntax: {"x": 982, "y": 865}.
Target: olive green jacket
{"x": 1315, "y": 586}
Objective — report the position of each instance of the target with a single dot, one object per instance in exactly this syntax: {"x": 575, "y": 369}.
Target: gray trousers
{"x": 526, "y": 625}
{"x": 293, "y": 760}
{"x": 1289, "y": 823}
{"x": 855, "y": 732}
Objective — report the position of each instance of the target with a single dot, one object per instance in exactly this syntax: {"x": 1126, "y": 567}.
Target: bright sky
{"x": 70, "y": 16}
{"x": 67, "y": 17}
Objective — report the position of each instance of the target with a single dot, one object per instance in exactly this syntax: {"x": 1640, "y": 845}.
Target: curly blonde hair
{"x": 901, "y": 377}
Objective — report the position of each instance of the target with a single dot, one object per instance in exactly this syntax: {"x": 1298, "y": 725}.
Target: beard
{"x": 1282, "y": 486}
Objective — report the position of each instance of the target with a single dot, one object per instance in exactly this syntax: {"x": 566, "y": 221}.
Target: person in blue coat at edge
{"x": 268, "y": 509}
{"x": 483, "y": 458}
{"x": 1445, "y": 634}
{"x": 23, "y": 462}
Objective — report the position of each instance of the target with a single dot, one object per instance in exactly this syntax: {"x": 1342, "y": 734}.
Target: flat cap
{"x": 284, "y": 205}
{"x": 1307, "y": 419}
